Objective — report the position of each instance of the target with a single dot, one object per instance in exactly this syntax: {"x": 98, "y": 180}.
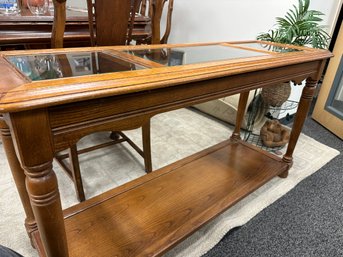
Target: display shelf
{"x": 151, "y": 214}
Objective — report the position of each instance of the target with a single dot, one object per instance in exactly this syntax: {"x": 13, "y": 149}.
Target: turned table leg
{"x": 19, "y": 178}
{"x": 242, "y": 104}
{"x": 303, "y": 108}
{"x": 33, "y": 141}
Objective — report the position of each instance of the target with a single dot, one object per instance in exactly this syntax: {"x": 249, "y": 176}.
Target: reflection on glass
{"x": 52, "y": 66}
{"x": 38, "y": 67}
{"x": 334, "y": 103}
{"x": 193, "y": 54}
{"x": 338, "y": 99}
{"x": 269, "y": 47}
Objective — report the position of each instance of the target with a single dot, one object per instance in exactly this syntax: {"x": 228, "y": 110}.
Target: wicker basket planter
{"x": 276, "y": 95}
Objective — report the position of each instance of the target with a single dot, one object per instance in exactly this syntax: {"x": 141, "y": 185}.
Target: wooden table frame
{"x": 42, "y": 118}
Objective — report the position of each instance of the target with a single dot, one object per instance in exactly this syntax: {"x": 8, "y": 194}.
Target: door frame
{"x": 320, "y": 113}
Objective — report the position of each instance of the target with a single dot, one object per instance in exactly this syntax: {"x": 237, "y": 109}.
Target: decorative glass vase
{"x": 9, "y": 7}
{"x": 38, "y": 7}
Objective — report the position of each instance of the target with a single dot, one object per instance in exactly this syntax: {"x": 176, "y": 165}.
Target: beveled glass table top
{"x": 269, "y": 47}
{"x": 74, "y": 64}
{"x": 194, "y": 54}
{"x": 48, "y": 77}
{"x": 53, "y": 66}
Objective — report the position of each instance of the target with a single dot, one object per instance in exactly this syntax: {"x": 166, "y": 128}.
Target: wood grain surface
{"x": 151, "y": 214}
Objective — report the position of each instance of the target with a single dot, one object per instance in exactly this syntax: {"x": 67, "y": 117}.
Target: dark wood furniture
{"x": 151, "y": 214}
{"x": 110, "y": 18}
{"x": 155, "y": 9}
{"x": 28, "y": 31}
{"x": 59, "y": 24}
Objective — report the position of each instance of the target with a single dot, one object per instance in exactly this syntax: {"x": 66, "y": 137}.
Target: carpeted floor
{"x": 174, "y": 136}
{"x": 307, "y": 221}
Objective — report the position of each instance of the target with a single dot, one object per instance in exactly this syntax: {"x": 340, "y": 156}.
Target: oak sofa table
{"x": 119, "y": 88}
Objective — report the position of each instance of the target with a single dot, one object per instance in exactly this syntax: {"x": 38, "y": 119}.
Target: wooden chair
{"x": 111, "y": 28}
{"x": 154, "y": 9}
{"x": 58, "y": 25}
{"x": 111, "y": 21}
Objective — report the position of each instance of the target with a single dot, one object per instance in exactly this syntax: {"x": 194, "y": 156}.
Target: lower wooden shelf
{"x": 151, "y": 214}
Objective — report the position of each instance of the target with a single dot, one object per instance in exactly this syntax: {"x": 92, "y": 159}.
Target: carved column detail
{"x": 303, "y": 108}
{"x": 41, "y": 183}
{"x": 33, "y": 141}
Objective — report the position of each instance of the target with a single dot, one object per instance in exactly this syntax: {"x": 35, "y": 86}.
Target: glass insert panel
{"x": 271, "y": 48}
{"x": 334, "y": 103}
{"x": 53, "y": 66}
{"x": 193, "y": 54}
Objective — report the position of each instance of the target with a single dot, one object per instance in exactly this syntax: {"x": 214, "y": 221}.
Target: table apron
{"x": 71, "y": 122}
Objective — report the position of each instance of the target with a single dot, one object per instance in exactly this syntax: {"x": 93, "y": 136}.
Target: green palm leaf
{"x": 299, "y": 26}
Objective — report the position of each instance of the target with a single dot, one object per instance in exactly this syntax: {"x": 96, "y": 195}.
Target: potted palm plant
{"x": 300, "y": 26}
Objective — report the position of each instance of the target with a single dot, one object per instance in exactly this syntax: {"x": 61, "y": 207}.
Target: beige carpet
{"x": 174, "y": 135}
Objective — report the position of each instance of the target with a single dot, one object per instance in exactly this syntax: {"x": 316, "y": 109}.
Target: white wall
{"x": 230, "y": 20}
{"x": 77, "y": 3}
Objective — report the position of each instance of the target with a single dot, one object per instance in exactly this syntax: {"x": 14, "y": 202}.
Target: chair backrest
{"x": 58, "y": 23}
{"x": 113, "y": 22}
{"x": 154, "y": 9}
{"x": 137, "y": 5}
